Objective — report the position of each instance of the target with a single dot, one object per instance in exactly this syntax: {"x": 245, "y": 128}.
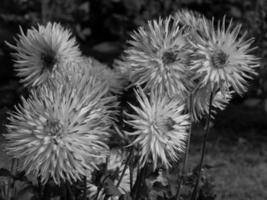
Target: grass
{"x": 237, "y": 167}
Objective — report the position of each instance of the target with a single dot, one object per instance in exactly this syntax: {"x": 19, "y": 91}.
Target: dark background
{"x": 237, "y": 143}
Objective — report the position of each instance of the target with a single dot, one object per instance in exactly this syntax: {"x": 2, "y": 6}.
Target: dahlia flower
{"x": 224, "y": 58}
{"x": 41, "y": 51}
{"x": 111, "y": 77}
{"x": 200, "y": 102}
{"x": 115, "y": 166}
{"x": 60, "y": 131}
{"x": 158, "y": 58}
{"x": 190, "y": 19}
{"x": 160, "y": 128}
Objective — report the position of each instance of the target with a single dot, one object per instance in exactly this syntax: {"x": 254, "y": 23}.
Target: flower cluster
{"x": 62, "y": 129}
{"x": 184, "y": 59}
{"x": 181, "y": 69}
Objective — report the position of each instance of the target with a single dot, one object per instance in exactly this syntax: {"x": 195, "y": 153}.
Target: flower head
{"x": 190, "y": 19}
{"x": 61, "y": 129}
{"x": 200, "y": 102}
{"x": 223, "y": 58}
{"x": 111, "y": 77}
{"x": 160, "y": 128}
{"x": 41, "y": 51}
{"x": 158, "y": 58}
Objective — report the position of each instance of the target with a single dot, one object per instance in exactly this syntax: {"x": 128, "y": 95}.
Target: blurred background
{"x": 237, "y": 150}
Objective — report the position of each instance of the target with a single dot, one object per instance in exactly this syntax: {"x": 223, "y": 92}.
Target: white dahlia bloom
{"x": 61, "y": 130}
{"x": 201, "y": 99}
{"x": 190, "y": 19}
{"x": 111, "y": 77}
{"x": 160, "y": 128}
{"x": 158, "y": 58}
{"x": 41, "y": 51}
{"x": 224, "y": 58}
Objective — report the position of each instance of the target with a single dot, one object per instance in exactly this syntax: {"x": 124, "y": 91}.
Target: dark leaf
{"x": 126, "y": 196}
{"x": 25, "y": 193}
{"x": 20, "y": 176}
{"x": 110, "y": 189}
{"x": 5, "y": 172}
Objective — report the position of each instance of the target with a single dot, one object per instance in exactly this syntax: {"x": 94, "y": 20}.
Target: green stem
{"x": 203, "y": 150}
{"x": 187, "y": 147}
{"x": 85, "y": 188}
{"x": 139, "y": 182}
{"x": 131, "y": 178}
{"x": 124, "y": 169}
{"x": 10, "y": 187}
{"x": 99, "y": 187}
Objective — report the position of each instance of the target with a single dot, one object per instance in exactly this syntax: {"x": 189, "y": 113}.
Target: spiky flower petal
{"x": 61, "y": 129}
{"x": 41, "y": 51}
{"x": 224, "y": 58}
{"x": 158, "y": 58}
{"x": 160, "y": 128}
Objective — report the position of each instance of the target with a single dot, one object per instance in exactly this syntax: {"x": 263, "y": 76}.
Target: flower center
{"x": 164, "y": 126}
{"x": 168, "y": 58}
{"x": 219, "y": 59}
{"x": 48, "y": 60}
{"x": 53, "y": 128}
{"x": 168, "y": 124}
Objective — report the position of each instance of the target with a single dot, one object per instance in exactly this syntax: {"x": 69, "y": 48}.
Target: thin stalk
{"x": 140, "y": 179}
{"x": 187, "y": 147}
{"x": 124, "y": 169}
{"x": 203, "y": 150}
{"x": 189, "y": 134}
{"x": 46, "y": 193}
{"x": 99, "y": 187}
{"x": 131, "y": 178}
{"x": 10, "y": 187}
{"x": 40, "y": 187}
{"x": 84, "y": 188}
{"x": 70, "y": 195}
{"x": 133, "y": 191}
